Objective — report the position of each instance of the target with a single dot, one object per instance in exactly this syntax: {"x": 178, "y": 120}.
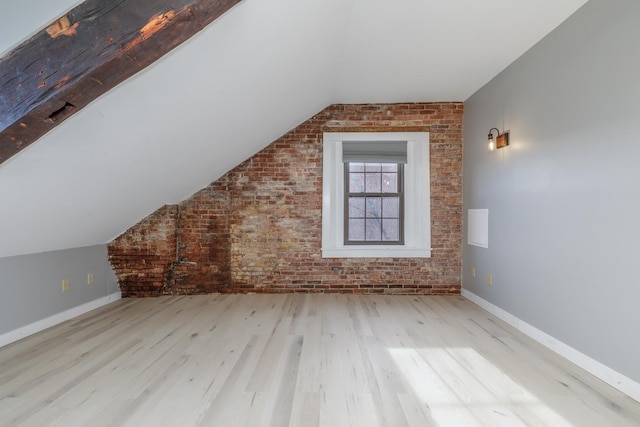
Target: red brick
{"x": 258, "y": 228}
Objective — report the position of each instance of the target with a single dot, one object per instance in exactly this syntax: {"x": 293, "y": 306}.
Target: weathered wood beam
{"x": 85, "y": 53}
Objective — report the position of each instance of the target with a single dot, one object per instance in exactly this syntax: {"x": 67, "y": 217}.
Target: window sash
{"x": 398, "y": 194}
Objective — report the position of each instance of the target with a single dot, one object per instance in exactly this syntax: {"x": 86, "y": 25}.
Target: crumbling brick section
{"x": 203, "y": 257}
{"x": 142, "y": 257}
{"x": 258, "y": 228}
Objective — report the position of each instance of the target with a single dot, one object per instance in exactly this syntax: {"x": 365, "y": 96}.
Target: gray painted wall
{"x": 31, "y": 285}
{"x": 564, "y": 198}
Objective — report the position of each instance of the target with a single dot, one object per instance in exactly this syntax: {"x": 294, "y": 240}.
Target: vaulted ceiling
{"x": 256, "y": 72}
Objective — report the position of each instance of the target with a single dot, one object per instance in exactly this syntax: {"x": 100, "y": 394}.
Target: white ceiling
{"x": 255, "y": 73}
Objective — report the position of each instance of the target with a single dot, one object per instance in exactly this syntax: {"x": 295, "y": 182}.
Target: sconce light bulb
{"x": 491, "y": 144}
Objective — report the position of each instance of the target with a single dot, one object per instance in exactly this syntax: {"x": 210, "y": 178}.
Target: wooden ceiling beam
{"x": 85, "y": 53}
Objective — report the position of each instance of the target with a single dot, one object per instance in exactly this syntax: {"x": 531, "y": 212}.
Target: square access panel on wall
{"x": 478, "y": 227}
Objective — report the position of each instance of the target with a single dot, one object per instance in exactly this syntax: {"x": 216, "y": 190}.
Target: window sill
{"x": 376, "y": 252}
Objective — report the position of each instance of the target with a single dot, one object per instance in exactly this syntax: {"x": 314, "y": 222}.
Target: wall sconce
{"x": 502, "y": 140}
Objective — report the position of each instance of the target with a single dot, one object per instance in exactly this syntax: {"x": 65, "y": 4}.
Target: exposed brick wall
{"x": 142, "y": 257}
{"x": 204, "y": 248}
{"x": 258, "y": 228}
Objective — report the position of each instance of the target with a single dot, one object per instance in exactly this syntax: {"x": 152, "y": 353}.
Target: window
{"x": 376, "y": 195}
{"x": 374, "y": 203}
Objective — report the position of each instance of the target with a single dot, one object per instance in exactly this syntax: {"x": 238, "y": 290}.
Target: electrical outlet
{"x": 65, "y": 285}
{"x": 489, "y": 279}
{"x": 473, "y": 272}
{"x": 90, "y": 279}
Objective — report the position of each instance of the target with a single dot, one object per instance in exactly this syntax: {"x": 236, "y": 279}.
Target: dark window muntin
{"x": 399, "y": 194}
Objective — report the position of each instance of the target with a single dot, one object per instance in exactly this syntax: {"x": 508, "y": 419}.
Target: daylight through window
{"x": 374, "y": 203}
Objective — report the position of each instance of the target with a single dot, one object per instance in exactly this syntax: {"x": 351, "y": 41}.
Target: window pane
{"x": 389, "y": 182}
{"x": 373, "y": 231}
{"x": 374, "y": 207}
{"x": 356, "y": 229}
{"x": 356, "y": 167}
{"x": 356, "y": 207}
{"x": 390, "y": 229}
{"x": 356, "y": 182}
{"x": 373, "y": 183}
{"x": 373, "y": 167}
{"x": 391, "y": 207}
{"x": 389, "y": 167}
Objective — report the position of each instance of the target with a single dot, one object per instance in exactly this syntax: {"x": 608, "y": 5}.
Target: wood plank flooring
{"x": 297, "y": 360}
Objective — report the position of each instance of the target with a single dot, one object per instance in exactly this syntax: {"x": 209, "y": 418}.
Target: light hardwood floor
{"x": 298, "y": 360}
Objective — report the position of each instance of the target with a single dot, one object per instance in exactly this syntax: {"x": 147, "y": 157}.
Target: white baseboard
{"x": 595, "y": 368}
{"x": 32, "y": 328}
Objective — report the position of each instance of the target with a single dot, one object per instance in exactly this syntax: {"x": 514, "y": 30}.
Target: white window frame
{"x": 417, "y": 221}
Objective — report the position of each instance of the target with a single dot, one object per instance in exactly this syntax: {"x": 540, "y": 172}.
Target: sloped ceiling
{"x": 255, "y": 73}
